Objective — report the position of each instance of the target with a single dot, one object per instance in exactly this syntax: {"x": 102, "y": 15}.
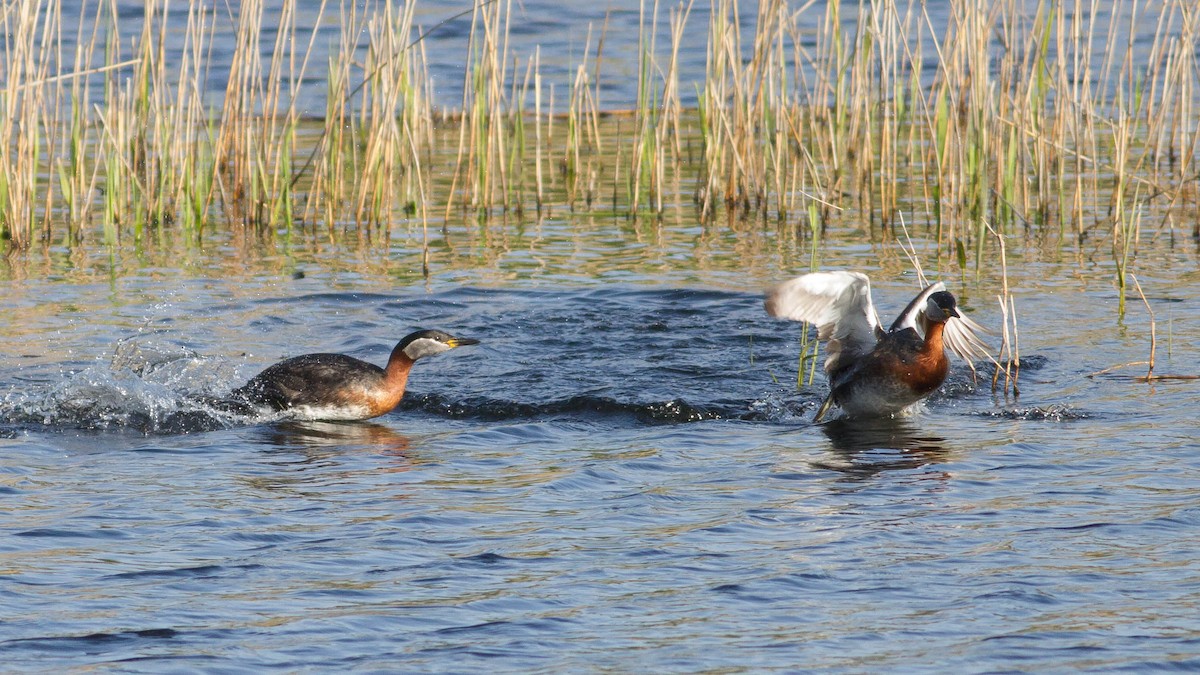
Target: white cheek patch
{"x": 423, "y": 347}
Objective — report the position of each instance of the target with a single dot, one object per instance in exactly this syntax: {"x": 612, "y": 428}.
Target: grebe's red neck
{"x": 399, "y": 365}
{"x": 934, "y": 346}
{"x": 931, "y": 364}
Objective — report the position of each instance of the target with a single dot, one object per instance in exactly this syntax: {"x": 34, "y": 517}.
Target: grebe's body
{"x": 340, "y": 387}
{"x": 873, "y": 372}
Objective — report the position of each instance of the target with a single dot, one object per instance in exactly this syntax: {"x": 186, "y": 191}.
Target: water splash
{"x": 148, "y": 386}
{"x": 1052, "y": 413}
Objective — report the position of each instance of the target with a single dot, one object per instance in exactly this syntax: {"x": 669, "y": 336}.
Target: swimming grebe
{"x": 872, "y": 372}
{"x": 340, "y": 387}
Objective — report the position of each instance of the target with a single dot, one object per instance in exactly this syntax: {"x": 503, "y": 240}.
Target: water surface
{"x": 566, "y": 35}
{"x": 622, "y": 476}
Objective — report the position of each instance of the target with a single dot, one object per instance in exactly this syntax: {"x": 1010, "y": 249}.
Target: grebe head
{"x": 429, "y": 342}
{"x": 940, "y": 307}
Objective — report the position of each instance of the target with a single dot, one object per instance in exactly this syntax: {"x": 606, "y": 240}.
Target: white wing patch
{"x": 838, "y": 304}
{"x": 962, "y": 337}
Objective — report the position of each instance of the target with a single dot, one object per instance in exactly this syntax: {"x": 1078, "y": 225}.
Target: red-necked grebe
{"x": 340, "y": 387}
{"x": 873, "y": 372}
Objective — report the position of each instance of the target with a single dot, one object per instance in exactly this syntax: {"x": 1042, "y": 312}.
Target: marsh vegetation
{"x": 1053, "y": 122}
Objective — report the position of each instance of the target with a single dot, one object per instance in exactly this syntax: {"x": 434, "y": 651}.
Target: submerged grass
{"x": 1033, "y": 118}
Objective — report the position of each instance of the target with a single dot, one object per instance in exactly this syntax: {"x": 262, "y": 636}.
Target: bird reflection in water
{"x": 325, "y": 446}
{"x": 339, "y": 435}
{"x": 863, "y": 448}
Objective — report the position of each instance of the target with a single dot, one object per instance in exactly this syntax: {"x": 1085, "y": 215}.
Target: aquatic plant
{"x": 1043, "y": 120}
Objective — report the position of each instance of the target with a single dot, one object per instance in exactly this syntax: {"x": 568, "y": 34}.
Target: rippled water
{"x": 622, "y": 476}
{"x": 565, "y": 35}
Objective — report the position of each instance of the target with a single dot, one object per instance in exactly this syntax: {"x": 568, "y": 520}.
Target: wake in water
{"x": 153, "y": 386}
{"x": 149, "y": 386}
{"x": 156, "y": 387}
{"x": 675, "y": 411}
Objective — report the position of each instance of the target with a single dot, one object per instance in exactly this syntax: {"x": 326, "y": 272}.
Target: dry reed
{"x": 1051, "y": 122}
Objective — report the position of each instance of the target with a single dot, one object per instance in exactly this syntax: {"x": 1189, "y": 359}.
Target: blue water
{"x": 567, "y": 35}
{"x": 623, "y": 475}
{"x": 620, "y": 477}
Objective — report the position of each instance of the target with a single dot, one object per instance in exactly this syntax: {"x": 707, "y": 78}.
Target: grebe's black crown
{"x": 945, "y": 302}
{"x": 438, "y": 335}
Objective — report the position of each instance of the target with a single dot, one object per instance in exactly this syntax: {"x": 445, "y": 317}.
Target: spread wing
{"x": 913, "y": 315}
{"x": 961, "y": 335}
{"x": 838, "y": 304}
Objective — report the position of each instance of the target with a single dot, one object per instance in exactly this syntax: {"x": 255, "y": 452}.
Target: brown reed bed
{"x": 1024, "y": 117}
